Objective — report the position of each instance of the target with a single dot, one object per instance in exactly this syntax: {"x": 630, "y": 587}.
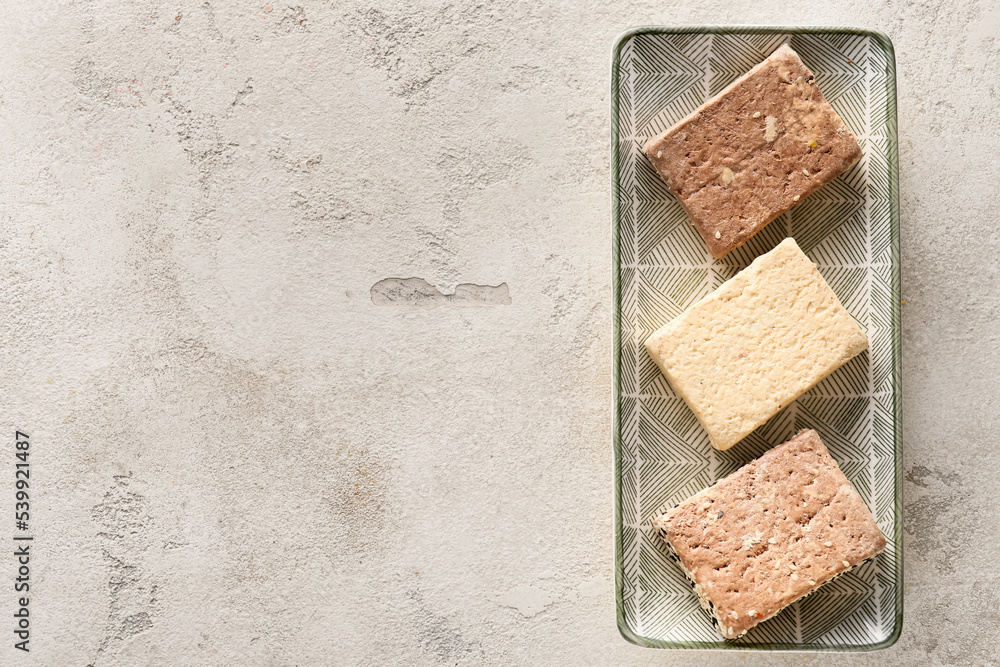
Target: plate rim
{"x": 893, "y": 163}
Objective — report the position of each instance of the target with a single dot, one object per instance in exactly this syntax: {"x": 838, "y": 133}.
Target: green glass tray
{"x": 850, "y": 228}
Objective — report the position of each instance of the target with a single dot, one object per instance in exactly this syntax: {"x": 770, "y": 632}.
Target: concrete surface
{"x": 239, "y": 459}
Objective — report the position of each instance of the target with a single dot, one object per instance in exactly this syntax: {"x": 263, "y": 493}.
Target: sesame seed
{"x": 659, "y": 153}
{"x": 846, "y": 564}
{"x": 718, "y": 235}
{"x": 805, "y": 172}
{"x": 828, "y": 544}
{"x": 795, "y": 577}
{"x": 795, "y": 198}
{"x": 756, "y": 114}
{"x": 812, "y": 583}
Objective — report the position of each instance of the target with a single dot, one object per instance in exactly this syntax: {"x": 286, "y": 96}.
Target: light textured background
{"x": 238, "y": 458}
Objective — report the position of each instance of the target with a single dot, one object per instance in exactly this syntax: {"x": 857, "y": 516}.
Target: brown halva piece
{"x": 772, "y": 532}
{"x": 753, "y": 151}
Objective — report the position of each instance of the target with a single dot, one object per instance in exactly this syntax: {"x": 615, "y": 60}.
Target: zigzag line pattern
{"x": 664, "y": 267}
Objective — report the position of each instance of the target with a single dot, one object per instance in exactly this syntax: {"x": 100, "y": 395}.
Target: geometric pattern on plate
{"x": 662, "y": 266}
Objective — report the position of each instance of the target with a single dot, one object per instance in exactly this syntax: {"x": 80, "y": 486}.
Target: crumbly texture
{"x": 772, "y": 532}
{"x": 753, "y": 151}
{"x": 751, "y": 347}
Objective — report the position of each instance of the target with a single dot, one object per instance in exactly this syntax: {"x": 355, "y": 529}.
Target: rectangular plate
{"x": 850, "y": 228}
